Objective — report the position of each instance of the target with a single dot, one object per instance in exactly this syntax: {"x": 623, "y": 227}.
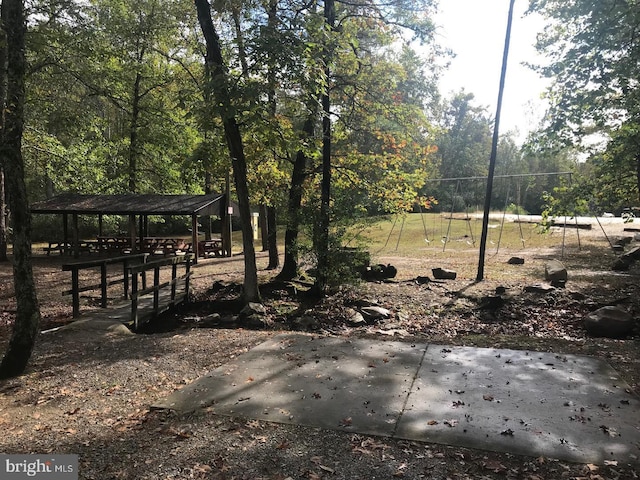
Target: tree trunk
{"x": 290, "y": 266}
{"x": 27, "y": 320}
{"x": 638, "y": 175}
{"x": 219, "y": 82}
{"x": 264, "y": 227}
{"x": 3, "y": 220}
{"x": 133, "y": 136}
{"x": 3, "y": 101}
{"x": 274, "y": 258}
{"x": 322, "y": 236}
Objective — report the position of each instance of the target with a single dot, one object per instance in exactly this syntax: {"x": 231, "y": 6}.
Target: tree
{"x": 593, "y": 53}
{"x": 108, "y": 96}
{"x": 219, "y": 84}
{"x": 464, "y": 147}
{"x": 25, "y": 328}
{"x": 3, "y": 96}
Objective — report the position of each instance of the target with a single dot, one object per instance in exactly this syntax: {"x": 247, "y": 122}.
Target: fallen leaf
{"x": 432, "y": 422}
{"x": 611, "y": 463}
{"x": 494, "y": 466}
{"x": 346, "y": 422}
{"x": 488, "y": 398}
{"x": 451, "y": 423}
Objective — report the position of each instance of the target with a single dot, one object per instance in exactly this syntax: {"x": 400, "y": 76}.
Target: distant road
{"x": 569, "y": 220}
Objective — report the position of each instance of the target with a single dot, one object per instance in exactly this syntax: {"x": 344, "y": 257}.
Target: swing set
{"x": 471, "y": 235}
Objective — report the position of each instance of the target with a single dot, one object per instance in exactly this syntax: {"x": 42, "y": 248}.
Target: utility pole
{"x": 494, "y": 150}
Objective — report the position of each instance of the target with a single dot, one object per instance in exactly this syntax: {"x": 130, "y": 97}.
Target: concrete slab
{"x": 568, "y": 407}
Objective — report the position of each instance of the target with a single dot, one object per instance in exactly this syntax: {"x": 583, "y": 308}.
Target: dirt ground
{"x": 90, "y": 394}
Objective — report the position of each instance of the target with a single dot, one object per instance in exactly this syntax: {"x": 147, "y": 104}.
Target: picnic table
{"x": 165, "y": 245}
{"x": 208, "y": 247}
{"x": 83, "y": 246}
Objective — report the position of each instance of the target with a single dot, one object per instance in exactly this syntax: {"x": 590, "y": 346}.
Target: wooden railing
{"x": 139, "y": 271}
{"x": 127, "y": 262}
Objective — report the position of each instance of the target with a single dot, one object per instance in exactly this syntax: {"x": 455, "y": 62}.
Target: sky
{"x": 475, "y": 30}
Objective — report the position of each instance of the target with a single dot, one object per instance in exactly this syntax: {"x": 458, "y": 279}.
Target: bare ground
{"x": 89, "y": 394}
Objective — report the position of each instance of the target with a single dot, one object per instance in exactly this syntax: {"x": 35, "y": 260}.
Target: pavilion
{"x": 138, "y": 207}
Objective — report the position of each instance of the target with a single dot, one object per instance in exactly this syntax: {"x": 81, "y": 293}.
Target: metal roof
{"x": 131, "y": 204}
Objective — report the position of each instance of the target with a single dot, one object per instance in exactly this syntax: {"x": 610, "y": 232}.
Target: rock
{"x": 379, "y": 272}
{"x": 610, "y": 322}
{"x": 306, "y": 322}
{"x": 626, "y": 240}
{"x": 422, "y": 280}
{"x": 622, "y": 264}
{"x": 633, "y": 254}
{"x": 539, "y": 288}
{"x": 209, "y": 321}
{"x": 500, "y": 290}
{"x": 93, "y": 327}
{"x": 253, "y": 308}
{"x": 375, "y": 313}
{"x": 356, "y": 319}
{"x": 555, "y": 271}
{"x": 618, "y": 248}
{"x": 443, "y": 274}
{"x": 366, "y": 302}
{"x": 516, "y": 261}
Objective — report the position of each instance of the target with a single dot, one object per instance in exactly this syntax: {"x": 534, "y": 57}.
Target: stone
{"x": 356, "y": 319}
{"x": 610, "y": 322}
{"x": 444, "y": 274}
{"x": 375, "y": 313}
{"x": 420, "y": 280}
{"x": 212, "y": 320}
{"x": 539, "y": 288}
{"x": 633, "y": 254}
{"x": 621, "y": 264}
{"x": 516, "y": 261}
{"x": 555, "y": 271}
{"x": 253, "y": 308}
{"x": 379, "y": 272}
{"x": 307, "y": 323}
{"x": 626, "y": 240}
{"x": 106, "y": 327}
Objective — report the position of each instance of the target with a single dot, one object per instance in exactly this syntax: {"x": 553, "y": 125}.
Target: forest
{"x": 325, "y": 114}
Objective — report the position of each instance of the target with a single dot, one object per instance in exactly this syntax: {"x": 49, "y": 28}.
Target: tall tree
{"x": 25, "y": 328}
{"x": 592, "y": 48}
{"x": 219, "y": 83}
{"x": 109, "y": 90}
{"x": 3, "y": 97}
{"x": 322, "y": 233}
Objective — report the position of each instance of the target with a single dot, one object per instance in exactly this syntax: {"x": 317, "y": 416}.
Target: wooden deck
{"x": 121, "y": 311}
{"x": 140, "y": 302}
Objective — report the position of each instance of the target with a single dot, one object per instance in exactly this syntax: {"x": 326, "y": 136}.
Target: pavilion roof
{"x": 131, "y": 204}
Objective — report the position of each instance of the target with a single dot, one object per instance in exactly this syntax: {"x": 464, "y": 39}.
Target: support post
{"x": 494, "y": 149}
